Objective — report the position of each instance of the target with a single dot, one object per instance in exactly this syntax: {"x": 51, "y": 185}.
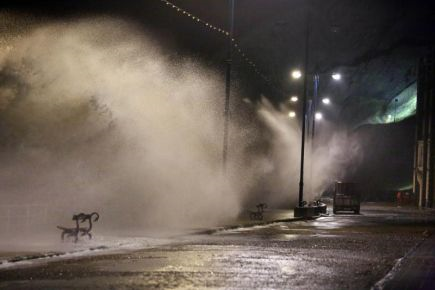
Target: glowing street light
{"x": 294, "y": 99}
{"x": 318, "y": 116}
{"x": 336, "y": 76}
{"x": 326, "y": 101}
{"x": 296, "y": 74}
{"x": 292, "y": 114}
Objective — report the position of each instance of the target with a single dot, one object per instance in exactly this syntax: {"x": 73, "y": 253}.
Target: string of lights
{"x": 248, "y": 61}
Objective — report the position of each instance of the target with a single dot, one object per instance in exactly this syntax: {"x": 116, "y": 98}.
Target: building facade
{"x": 424, "y": 158}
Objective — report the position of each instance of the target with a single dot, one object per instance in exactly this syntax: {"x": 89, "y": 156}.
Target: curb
{"x": 25, "y": 258}
{"x": 251, "y": 225}
{"x": 388, "y": 280}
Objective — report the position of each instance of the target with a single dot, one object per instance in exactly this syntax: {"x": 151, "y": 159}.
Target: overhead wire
{"x": 243, "y": 55}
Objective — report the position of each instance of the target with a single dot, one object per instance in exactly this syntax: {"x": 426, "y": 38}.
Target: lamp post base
{"x": 306, "y": 211}
{"x": 310, "y": 211}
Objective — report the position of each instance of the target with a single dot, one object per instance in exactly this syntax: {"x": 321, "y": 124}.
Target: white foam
{"x": 99, "y": 246}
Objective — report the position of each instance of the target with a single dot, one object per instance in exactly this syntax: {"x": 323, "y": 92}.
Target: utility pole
{"x": 228, "y": 86}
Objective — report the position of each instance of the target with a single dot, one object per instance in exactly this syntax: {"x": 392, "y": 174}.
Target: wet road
{"x": 336, "y": 252}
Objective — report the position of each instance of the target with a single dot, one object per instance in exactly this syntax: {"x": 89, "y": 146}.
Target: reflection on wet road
{"x": 337, "y": 252}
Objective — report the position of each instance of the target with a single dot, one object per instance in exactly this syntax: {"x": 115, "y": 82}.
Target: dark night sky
{"x": 369, "y": 41}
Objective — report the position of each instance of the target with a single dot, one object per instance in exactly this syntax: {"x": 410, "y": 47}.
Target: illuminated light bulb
{"x": 336, "y": 76}
{"x": 292, "y": 114}
{"x": 296, "y": 74}
{"x": 294, "y": 99}
{"x": 318, "y": 116}
{"x": 326, "y": 101}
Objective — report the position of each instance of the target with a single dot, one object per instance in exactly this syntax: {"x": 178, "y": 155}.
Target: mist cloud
{"x": 94, "y": 116}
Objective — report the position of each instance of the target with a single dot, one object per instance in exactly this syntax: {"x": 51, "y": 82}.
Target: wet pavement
{"x": 335, "y": 252}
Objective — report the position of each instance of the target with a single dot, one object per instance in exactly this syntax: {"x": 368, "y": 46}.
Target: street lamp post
{"x": 304, "y": 115}
{"x": 311, "y": 116}
{"x": 300, "y": 210}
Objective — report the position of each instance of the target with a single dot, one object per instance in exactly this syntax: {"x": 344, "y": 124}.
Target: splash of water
{"x": 94, "y": 116}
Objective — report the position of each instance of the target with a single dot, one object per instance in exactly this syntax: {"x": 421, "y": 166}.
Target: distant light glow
{"x": 326, "y": 101}
{"x": 389, "y": 117}
{"x": 294, "y": 99}
{"x": 292, "y": 114}
{"x": 318, "y": 116}
{"x": 296, "y": 74}
{"x": 336, "y": 76}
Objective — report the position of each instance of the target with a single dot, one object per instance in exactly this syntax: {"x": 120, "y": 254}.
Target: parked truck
{"x": 346, "y": 197}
